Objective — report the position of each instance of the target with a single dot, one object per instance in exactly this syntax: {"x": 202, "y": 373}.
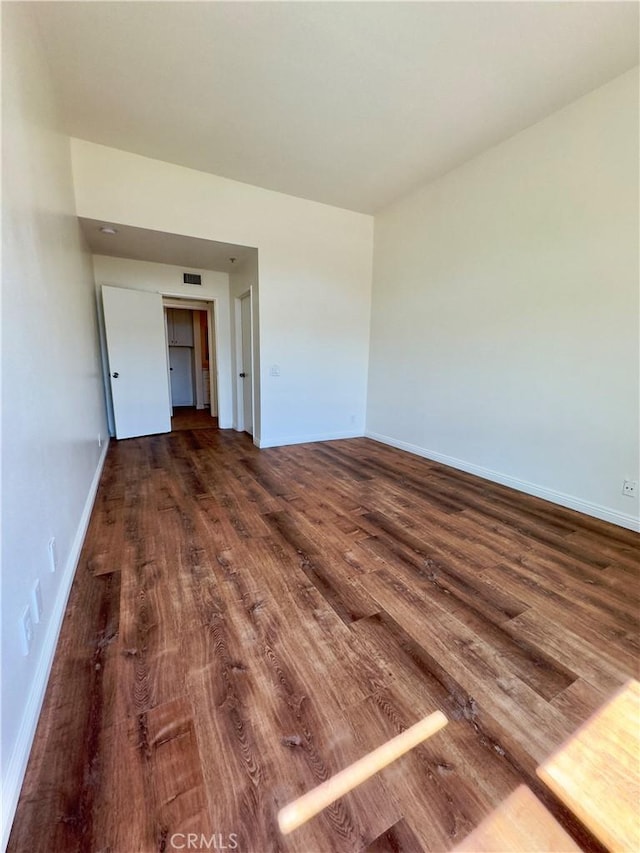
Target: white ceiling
{"x": 352, "y": 104}
{"x": 141, "y": 244}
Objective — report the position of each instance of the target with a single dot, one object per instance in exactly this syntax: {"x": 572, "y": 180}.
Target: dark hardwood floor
{"x": 245, "y": 623}
{"x": 188, "y": 417}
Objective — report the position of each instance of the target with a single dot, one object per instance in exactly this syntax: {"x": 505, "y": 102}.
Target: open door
{"x": 135, "y": 331}
{"x": 247, "y": 366}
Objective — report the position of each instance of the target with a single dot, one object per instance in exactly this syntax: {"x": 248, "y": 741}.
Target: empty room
{"x": 320, "y": 426}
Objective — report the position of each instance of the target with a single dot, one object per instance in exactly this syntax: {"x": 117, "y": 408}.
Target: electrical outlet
{"x": 36, "y": 601}
{"x": 53, "y": 554}
{"x": 630, "y": 488}
{"x": 26, "y": 631}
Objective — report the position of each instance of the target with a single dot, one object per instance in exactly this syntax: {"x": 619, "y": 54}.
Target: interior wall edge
{"x": 560, "y": 498}
{"x": 19, "y": 758}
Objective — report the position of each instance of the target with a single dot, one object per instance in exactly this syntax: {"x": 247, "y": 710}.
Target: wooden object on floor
{"x": 313, "y": 802}
{"x": 520, "y": 823}
{"x": 597, "y": 773}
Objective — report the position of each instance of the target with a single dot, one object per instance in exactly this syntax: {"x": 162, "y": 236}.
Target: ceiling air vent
{"x": 192, "y": 278}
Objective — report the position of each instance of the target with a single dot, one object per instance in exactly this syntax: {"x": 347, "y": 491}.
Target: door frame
{"x": 240, "y": 383}
{"x": 195, "y": 304}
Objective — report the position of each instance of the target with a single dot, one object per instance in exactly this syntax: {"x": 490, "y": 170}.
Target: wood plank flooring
{"x": 245, "y": 623}
{"x": 188, "y": 417}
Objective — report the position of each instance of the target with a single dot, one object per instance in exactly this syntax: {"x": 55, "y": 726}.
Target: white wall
{"x": 315, "y": 278}
{"x": 52, "y": 401}
{"x": 167, "y": 280}
{"x": 504, "y": 335}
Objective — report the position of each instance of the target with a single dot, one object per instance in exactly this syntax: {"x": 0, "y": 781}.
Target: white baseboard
{"x": 280, "y": 441}
{"x": 17, "y": 764}
{"x": 569, "y": 501}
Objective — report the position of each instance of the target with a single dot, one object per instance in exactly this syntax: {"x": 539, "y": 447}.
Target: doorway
{"x": 182, "y": 357}
{"x": 191, "y": 348}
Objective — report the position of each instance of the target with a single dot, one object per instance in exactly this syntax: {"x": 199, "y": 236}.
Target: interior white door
{"x": 135, "y": 330}
{"x": 181, "y": 369}
{"x": 247, "y": 380}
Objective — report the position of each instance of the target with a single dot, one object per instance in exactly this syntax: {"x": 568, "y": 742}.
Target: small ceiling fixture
{"x": 108, "y": 229}
{"x": 233, "y": 260}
